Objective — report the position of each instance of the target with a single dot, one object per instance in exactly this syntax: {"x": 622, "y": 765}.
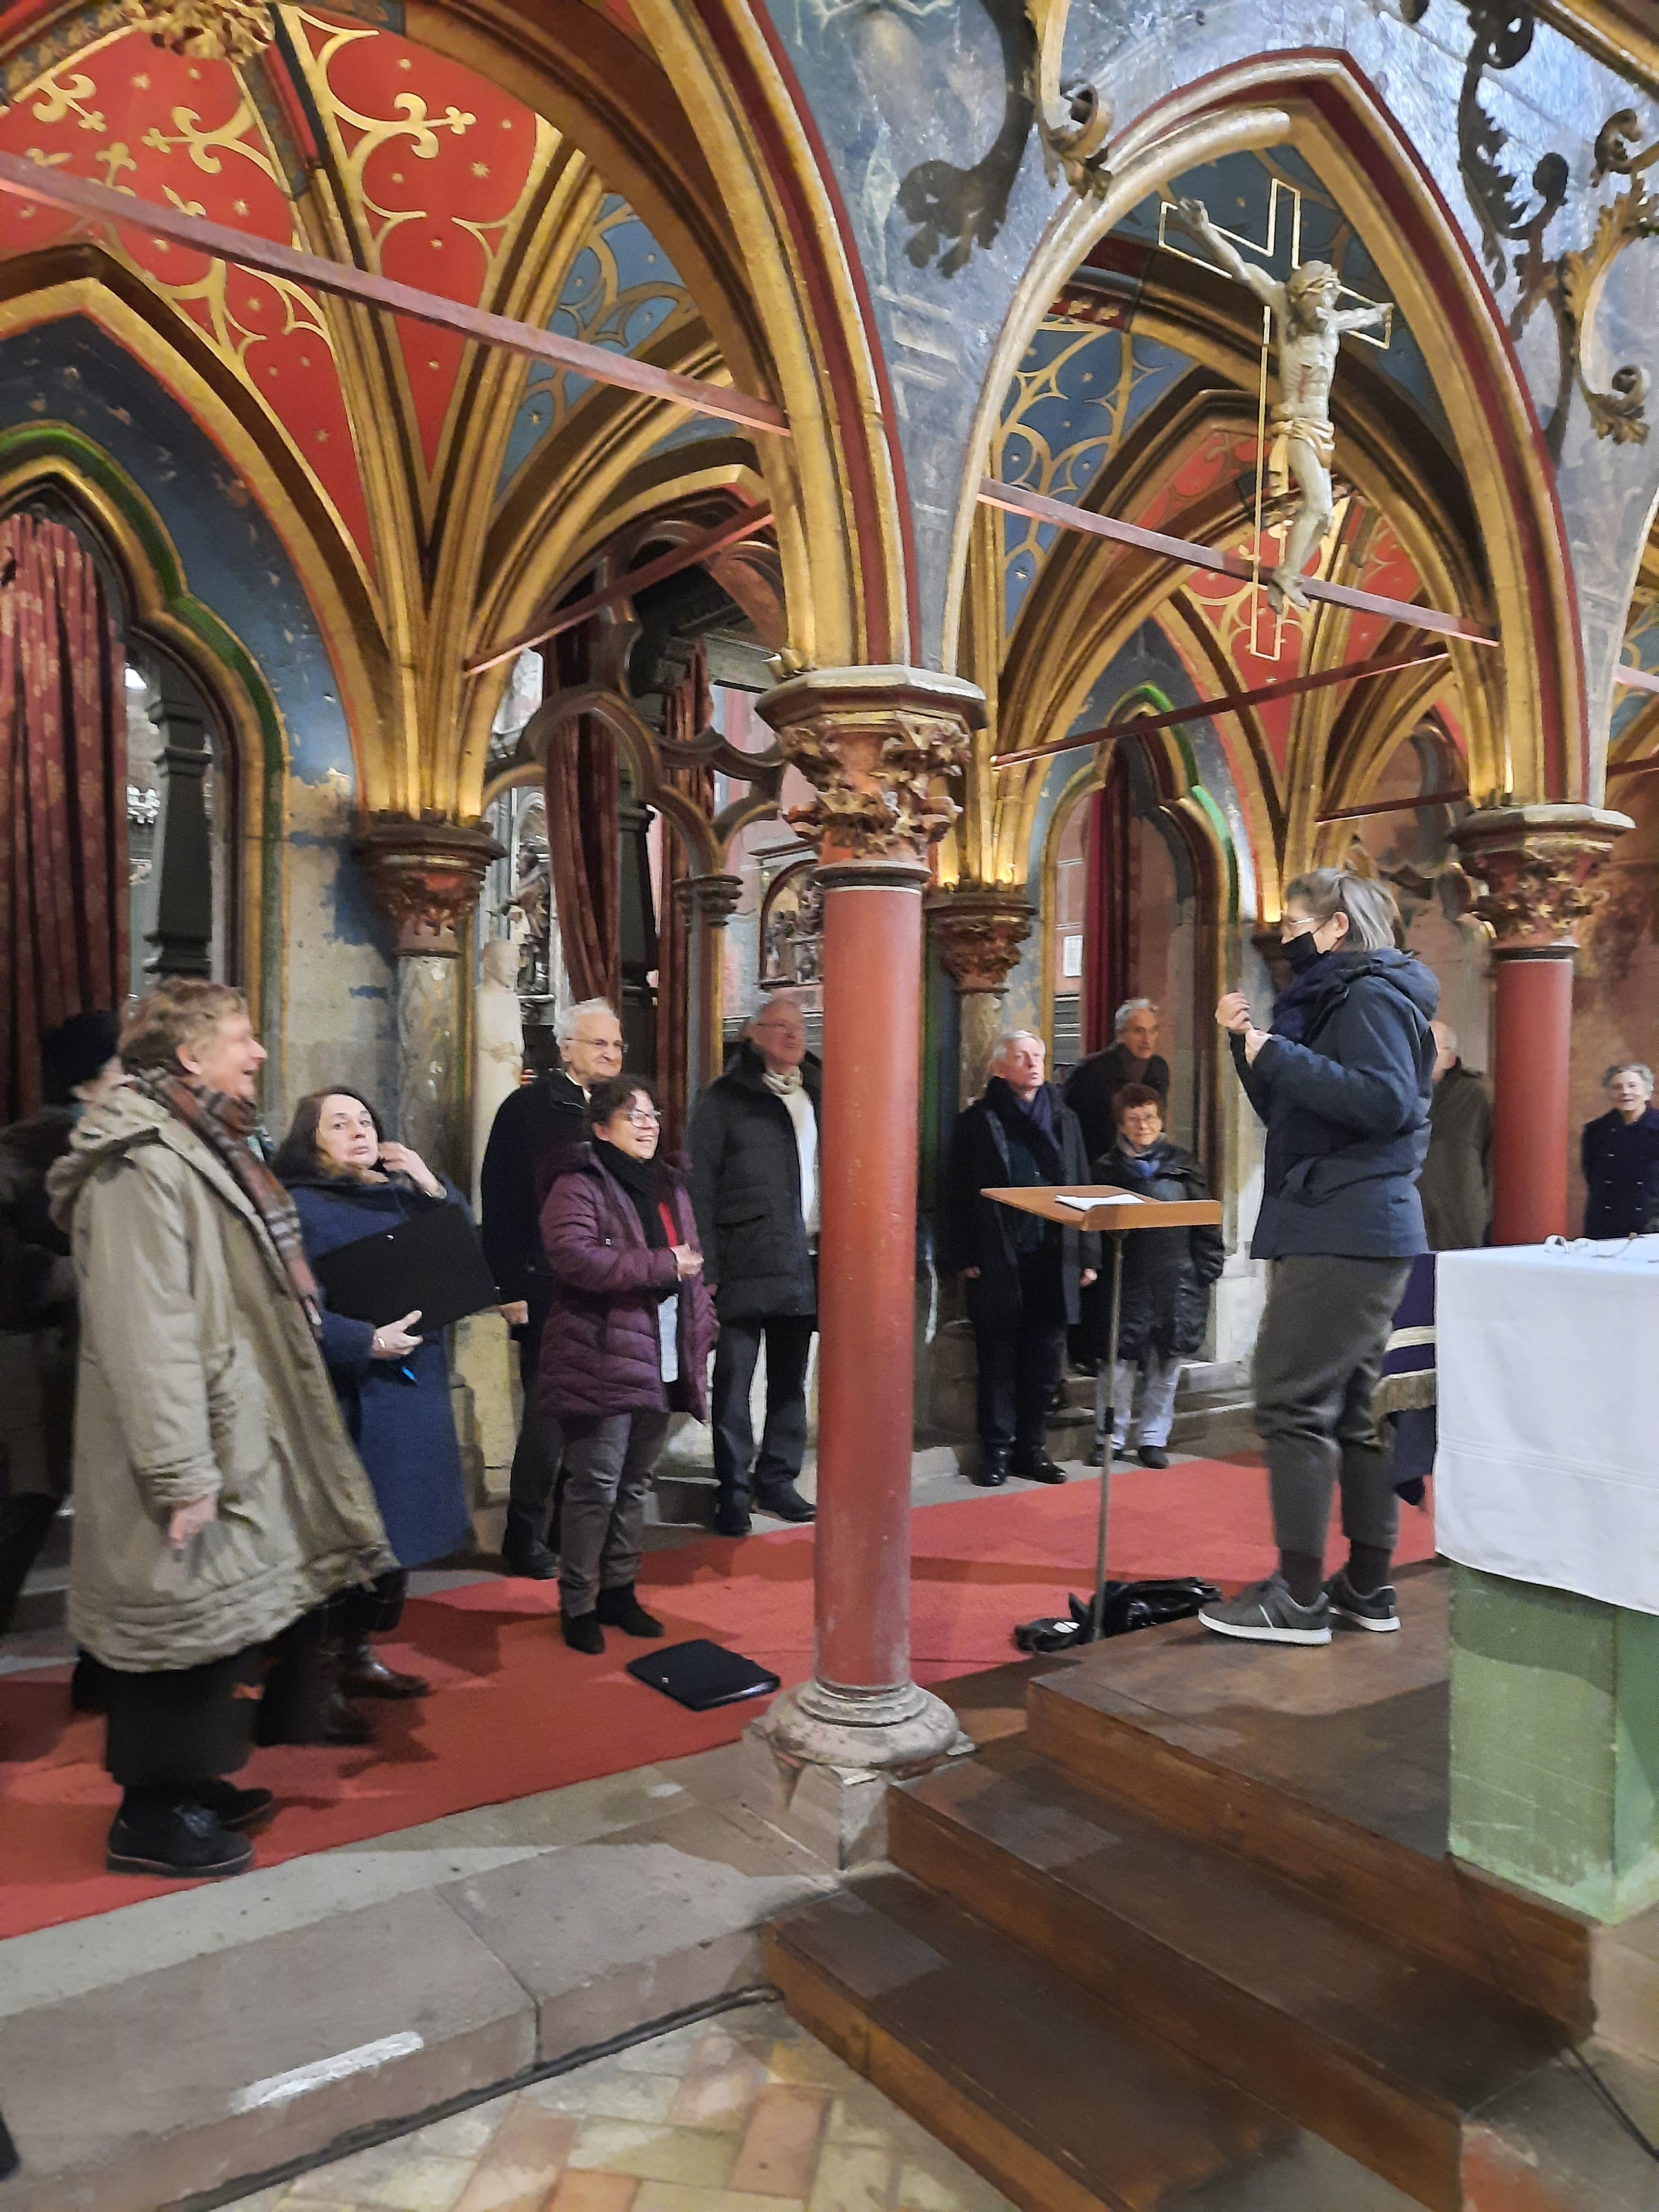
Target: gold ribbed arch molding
{"x": 1494, "y": 431}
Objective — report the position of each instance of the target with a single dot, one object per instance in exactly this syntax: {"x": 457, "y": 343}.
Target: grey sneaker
{"x": 1379, "y": 1610}
{"x": 1265, "y": 1613}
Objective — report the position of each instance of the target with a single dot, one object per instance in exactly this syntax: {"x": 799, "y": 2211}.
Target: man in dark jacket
{"x": 1132, "y": 1057}
{"x": 754, "y": 1146}
{"x": 38, "y": 1343}
{"x": 1457, "y": 1185}
{"x": 533, "y": 1129}
{"x": 1024, "y": 1274}
{"x": 1167, "y": 1274}
{"x": 1343, "y": 1082}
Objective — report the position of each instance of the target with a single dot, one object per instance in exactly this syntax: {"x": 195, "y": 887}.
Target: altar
{"x": 1547, "y": 1499}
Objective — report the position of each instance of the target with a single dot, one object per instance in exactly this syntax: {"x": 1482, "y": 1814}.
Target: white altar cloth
{"x": 1549, "y": 1463}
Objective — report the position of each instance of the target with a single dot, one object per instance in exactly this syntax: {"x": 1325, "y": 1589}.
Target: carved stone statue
{"x": 497, "y": 1039}
{"x": 1309, "y": 328}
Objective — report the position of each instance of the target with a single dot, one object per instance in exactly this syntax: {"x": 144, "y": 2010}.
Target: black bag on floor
{"x": 1128, "y": 1605}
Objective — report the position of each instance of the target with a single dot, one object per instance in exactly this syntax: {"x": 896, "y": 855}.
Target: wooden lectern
{"x": 1101, "y": 1209}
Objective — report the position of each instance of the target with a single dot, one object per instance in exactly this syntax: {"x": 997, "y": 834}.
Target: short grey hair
{"x": 1635, "y": 1068}
{"x": 1126, "y": 1012}
{"x": 786, "y": 1000}
{"x": 1373, "y": 915}
{"x": 1013, "y": 1036}
{"x": 564, "y": 1029}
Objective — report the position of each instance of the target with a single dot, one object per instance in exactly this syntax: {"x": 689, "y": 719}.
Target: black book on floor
{"x": 701, "y": 1674}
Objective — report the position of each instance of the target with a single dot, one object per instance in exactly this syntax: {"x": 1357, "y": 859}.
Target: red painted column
{"x": 1534, "y": 869}
{"x": 872, "y": 944}
{"x": 1532, "y": 1044}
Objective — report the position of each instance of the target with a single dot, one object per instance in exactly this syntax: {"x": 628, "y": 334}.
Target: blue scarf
{"x": 1298, "y": 1003}
{"x": 1033, "y": 1126}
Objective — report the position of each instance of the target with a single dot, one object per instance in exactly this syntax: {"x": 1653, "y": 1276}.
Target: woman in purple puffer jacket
{"x": 628, "y": 1338}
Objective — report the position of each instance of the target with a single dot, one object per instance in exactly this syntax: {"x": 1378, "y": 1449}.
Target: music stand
{"x": 1101, "y": 1209}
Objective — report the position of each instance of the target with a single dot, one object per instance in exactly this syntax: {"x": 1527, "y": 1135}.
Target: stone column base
{"x": 818, "y": 1767}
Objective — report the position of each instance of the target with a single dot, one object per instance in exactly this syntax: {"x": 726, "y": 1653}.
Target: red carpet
{"x": 513, "y": 1711}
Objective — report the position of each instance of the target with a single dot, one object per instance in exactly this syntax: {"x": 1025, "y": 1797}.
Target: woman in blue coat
{"x": 348, "y": 1183}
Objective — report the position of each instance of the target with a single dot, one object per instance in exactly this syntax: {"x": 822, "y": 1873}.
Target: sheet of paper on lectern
{"x": 1088, "y": 1205}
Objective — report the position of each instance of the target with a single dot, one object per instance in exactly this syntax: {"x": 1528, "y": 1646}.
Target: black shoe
{"x": 186, "y": 1841}
{"x": 1378, "y": 1610}
{"x": 363, "y": 1673}
{"x": 230, "y": 1807}
{"x": 582, "y": 1633}
{"x": 784, "y": 1503}
{"x": 732, "y": 1521}
{"x": 992, "y": 1466}
{"x": 1095, "y": 1456}
{"x": 621, "y": 1608}
{"x": 1152, "y": 1456}
{"x": 1036, "y": 1467}
{"x": 530, "y": 1560}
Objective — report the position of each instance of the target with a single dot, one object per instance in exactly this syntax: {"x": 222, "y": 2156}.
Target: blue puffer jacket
{"x": 1346, "y": 1111}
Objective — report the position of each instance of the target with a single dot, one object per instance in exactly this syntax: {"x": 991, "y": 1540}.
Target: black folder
{"x": 432, "y": 1260}
{"x": 702, "y": 1675}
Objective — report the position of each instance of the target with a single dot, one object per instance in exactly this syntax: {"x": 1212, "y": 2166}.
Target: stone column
{"x": 426, "y": 875}
{"x": 708, "y": 902}
{"x": 181, "y": 939}
{"x": 873, "y": 742}
{"x": 1534, "y": 868}
{"x": 979, "y": 928}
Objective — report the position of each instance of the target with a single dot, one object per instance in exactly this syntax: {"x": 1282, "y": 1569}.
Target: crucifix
{"x": 1301, "y": 311}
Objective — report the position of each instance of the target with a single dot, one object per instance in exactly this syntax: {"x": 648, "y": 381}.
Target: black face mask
{"x": 1300, "y": 952}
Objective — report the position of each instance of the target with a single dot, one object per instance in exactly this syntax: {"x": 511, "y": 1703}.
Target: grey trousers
{"x": 608, "y": 1459}
{"x": 1317, "y": 1358}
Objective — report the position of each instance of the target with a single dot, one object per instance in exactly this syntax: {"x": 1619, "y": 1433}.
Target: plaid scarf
{"x": 226, "y": 1126}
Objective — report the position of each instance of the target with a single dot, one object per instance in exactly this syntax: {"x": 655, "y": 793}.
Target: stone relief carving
{"x": 207, "y": 30}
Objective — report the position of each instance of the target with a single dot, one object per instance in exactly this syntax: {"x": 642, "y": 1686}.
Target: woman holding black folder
{"x": 348, "y": 1183}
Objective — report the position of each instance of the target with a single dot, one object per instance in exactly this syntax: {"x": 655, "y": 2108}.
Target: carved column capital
{"x": 875, "y": 743}
{"x": 206, "y": 30}
{"x": 713, "y": 898}
{"x": 1535, "y": 871}
{"x": 426, "y": 875}
{"x": 979, "y": 929}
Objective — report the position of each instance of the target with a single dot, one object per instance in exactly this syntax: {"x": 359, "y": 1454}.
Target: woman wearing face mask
{"x": 1620, "y": 1156}
{"x": 347, "y": 1183}
{"x": 1343, "y": 1081}
{"x": 627, "y": 1340}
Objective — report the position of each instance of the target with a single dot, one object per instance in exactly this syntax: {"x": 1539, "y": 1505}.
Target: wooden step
{"x": 1386, "y": 2053}
{"x": 1328, "y": 1767}
{"x": 1057, "y": 2099}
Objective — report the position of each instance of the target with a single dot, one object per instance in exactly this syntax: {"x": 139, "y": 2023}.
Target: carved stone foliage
{"x": 875, "y": 788}
{"x": 426, "y": 875}
{"x": 1516, "y": 214}
{"x": 979, "y": 929}
{"x": 712, "y": 898}
{"x": 1538, "y": 871}
{"x": 206, "y": 30}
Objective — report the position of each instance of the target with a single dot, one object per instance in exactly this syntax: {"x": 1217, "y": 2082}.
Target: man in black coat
{"x": 1455, "y": 1188}
{"x": 754, "y": 1146}
{"x": 1024, "y": 1274}
{"x": 530, "y": 1129}
{"x": 1132, "y": 1057}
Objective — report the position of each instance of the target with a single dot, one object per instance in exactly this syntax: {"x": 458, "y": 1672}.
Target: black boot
{"x": 363, "y": 1673}
{"x": 993, "y": 1465}
{"x": 784, "y": 1502}
{"x": 25, "y": 1522}
{"x": 731, "y": 1514}
{"x": 165, "y": 1831}
{"x": 523, "y": 1551}
{"x": 582, "y": 1633}
{"x": 621, "y": 1608}
{"x": 1032, "y": 1464}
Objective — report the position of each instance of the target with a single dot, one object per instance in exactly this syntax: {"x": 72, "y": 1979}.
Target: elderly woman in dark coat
{"x": 1619, "y": 1154}
{"x": 347, "y": 1183}
{"x": 627, "y": 1340}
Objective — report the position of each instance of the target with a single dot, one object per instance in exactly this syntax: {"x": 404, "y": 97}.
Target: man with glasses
{"x": 532, "y": 1130}
{"x": 754, "y": 1144}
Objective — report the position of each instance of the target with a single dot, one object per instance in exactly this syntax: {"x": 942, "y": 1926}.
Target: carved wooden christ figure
{"x": 1309, "y": 328}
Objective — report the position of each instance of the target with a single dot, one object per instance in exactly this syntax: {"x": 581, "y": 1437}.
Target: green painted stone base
{"x": 1555, "y": 1743}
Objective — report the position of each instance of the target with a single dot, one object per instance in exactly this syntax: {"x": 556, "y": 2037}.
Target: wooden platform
{"x": 1192, "y": 1939}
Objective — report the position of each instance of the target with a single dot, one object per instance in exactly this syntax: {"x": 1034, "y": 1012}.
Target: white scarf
{"x": 787, "y": 1084}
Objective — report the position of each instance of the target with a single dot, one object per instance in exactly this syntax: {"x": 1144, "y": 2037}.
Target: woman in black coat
{"x": 1620, "y": 1156}
{"x": 1167, "y": 1274}
{"x": 348, "y": 1183}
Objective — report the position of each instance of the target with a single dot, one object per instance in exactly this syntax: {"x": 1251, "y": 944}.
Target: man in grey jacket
{"x": 754, "y": 1146}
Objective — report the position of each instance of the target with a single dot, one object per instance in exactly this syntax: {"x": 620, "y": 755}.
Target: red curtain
{"x": 1109, "y": 946}
{"x": 63, "y": 798}
{"x": 581, "y": 834}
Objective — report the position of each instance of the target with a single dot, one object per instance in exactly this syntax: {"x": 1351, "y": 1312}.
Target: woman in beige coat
{"x": 218, "y": 1502}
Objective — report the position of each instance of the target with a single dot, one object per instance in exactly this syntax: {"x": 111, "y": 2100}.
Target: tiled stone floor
{"x": 742, "y": 2113}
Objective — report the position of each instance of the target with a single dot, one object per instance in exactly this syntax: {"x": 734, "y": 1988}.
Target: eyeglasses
{"x": 644, "y": 1117}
